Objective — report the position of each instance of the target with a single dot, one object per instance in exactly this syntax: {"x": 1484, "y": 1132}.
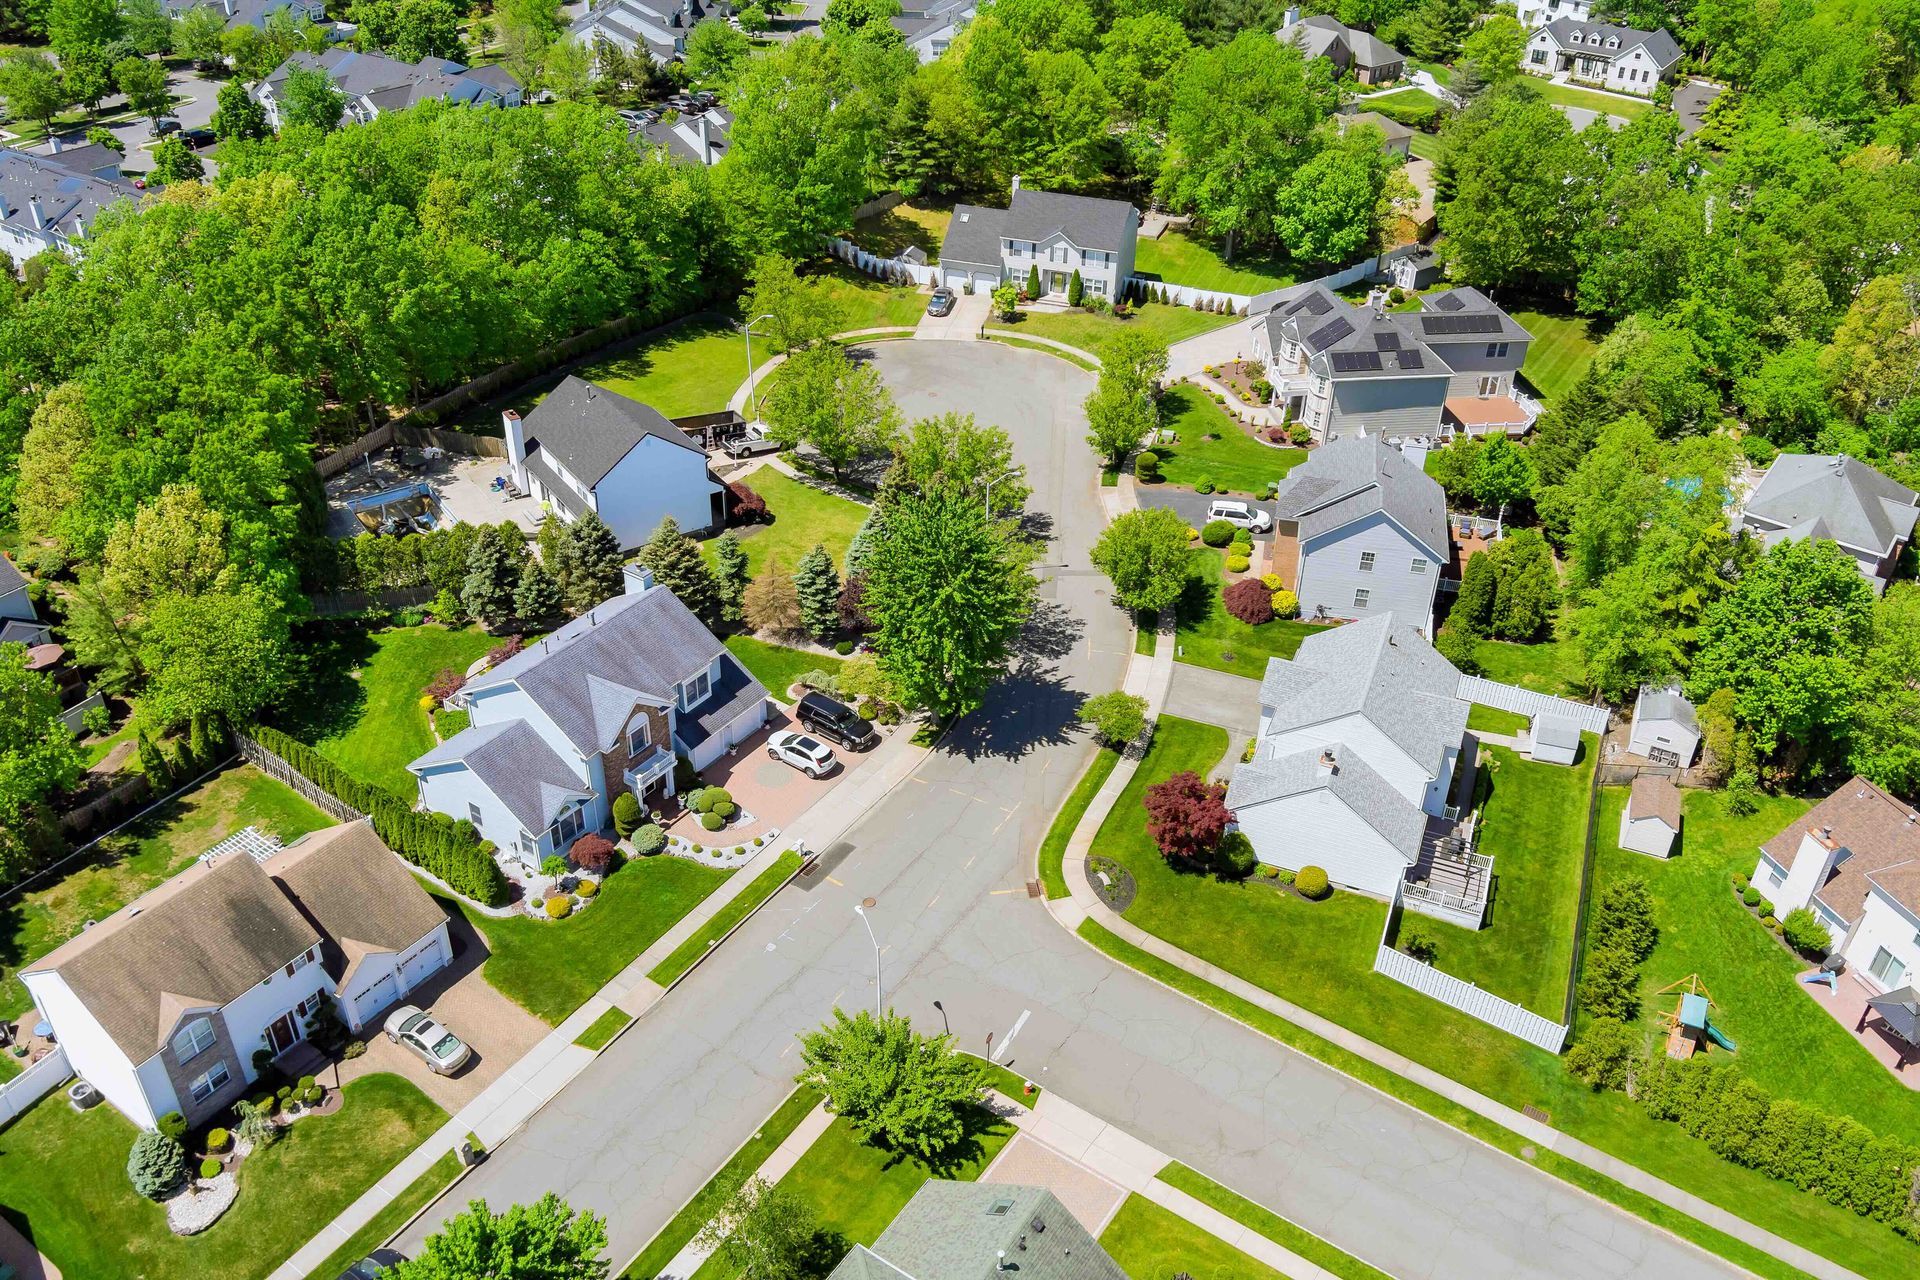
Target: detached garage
{"x": 384, "y": 934}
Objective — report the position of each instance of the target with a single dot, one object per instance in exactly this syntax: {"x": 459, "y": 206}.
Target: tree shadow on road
{"x": 1032, "y": 705}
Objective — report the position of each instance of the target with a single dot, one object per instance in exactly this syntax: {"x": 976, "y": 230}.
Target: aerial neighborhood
{"x": 877, "y": 639}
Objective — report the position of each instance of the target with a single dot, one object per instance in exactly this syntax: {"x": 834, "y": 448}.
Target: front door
{"x": 284, "y": 1033}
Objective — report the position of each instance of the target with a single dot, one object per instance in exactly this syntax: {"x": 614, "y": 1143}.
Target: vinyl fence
{"x": 33, "y": 1084}
{"x": 892, "y": 270}
{"x": 1502, "y": 1015}
{"x": 1526, "y": 702}
{"x": 280, "y": 771}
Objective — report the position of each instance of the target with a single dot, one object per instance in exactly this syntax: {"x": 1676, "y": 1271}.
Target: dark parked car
{"x": 198, "y": 138}
{"x": 371, "y": 1266}
{"x": 164, "y": 126}
{"x": 941, "y": 303}
{"x": 835, "y": 720}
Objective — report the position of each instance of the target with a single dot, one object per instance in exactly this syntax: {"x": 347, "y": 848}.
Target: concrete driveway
{"x": 963, "y": 323}
{"x": 1193, "y": 506}
{"x": 497, "y": 1030}
{"x": 137, "y": 135}
{"x": 1216, "y": 697}
{"x": 1216, "y": 346}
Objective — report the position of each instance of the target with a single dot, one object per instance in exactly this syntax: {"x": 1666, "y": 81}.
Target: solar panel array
{"x": 1460, "y": 324}
{"x": 1328, "y": 334}
{"x": 1355, "y": 361}
{"x": 1444, "y": 302}
{"x": 1412, "y": 359}
{"x": 1387, "y": 341}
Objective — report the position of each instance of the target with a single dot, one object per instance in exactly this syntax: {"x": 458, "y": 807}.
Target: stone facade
{"x": 616, "y": 759}
{"x": 181, "y": 1075}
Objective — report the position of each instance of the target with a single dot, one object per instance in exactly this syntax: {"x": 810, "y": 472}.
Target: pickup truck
{"x": 751, "y": 440}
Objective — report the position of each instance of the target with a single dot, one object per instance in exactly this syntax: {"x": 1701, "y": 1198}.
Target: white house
{"x": 1361, "y": 532}
{"x": 1046, "y": 231}
{"x": 47, "y": 203}
{"x": 1618, "y": 58}
{"x": 601, "y": 706}
{"x": 1840, "y": 499}
{"x": 372, "y": 83}
{"x": 585, "y": 448}
{"x": 1854, "y": 858}
{"x": 1357, "y": 768}
{"x": 1650, "y": 822}
{"x": 1538, "y": 13}
{"x": 929, "y": 28}
{"x": 657, "y": 27}
{"x": 162, "y": 1005}
{"x": 1665, "y": 729}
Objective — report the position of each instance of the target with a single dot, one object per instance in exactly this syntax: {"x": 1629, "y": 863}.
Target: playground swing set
{"x": 1688, "y": 1025}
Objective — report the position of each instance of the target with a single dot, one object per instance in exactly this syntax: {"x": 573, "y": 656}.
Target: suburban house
{"x": 657, "y": 27}
{"x": 1599, "y": 53}
{"x": 1398, "y": 137}
{"x": 601, "y": 706}
{"x": 1538, "y": 13}
{"x": 1854, "y": 859}
{"x": 1363, "y": 766}
{"x": 19, "y": 620}
{"x": 1838, "y": 498}
{"x": 1360, "y": 531}
{"x": 929, "y": 28}
{"x": 249, "y": 13}
{"x": 1370, "y": 59}
{"x": 973, "y": 1230}
{"x": 1341, "y": 368}
{"x": 585, "y": 448}
{"x": 692, "y": 134}
{"x": 373, "y": 83}
{"x": 163, "y": 1005}
{"x": 1650, "y": 823}
{"x": 1044, "y": 230}
{"x": 48, "y": 202}
{"x": 1665, "y": 729}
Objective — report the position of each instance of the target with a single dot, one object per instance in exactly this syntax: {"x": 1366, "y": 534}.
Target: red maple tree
{"x": 1186, "y": 816}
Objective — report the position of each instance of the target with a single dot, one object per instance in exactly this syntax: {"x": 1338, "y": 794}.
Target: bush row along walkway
{"x": 509, "y": 1102}
{"x": 1150, "y": 677}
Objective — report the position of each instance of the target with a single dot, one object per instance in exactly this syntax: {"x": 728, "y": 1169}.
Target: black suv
{"x": 835, "y": 720}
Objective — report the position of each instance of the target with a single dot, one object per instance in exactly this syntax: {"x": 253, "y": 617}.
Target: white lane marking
{"x": 1018, "y": 1023}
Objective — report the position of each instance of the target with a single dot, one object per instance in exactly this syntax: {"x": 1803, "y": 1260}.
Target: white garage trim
{"x": 422, "y": 964}
{"x": 382, "y": 993}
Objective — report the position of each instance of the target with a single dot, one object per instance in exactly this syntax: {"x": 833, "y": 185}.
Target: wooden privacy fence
{"x": 280, "y": 771}
{"x": 1484, "y": 1006}
{"x": 1526, "y": 702}
{"x": 33, "y": 1084}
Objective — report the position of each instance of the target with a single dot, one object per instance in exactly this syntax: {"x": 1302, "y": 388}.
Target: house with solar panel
{"x": 1343, "y": 369}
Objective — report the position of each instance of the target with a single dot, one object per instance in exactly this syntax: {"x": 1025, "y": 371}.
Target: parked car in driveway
{"x": 374, "y": 1265}
{"x": 796, "y": 750}
{"x": 1239, "y": 514}
{"x": 833, "y": 719}
{"x": 414, "y": 1030}
{"x": 941, "y": 303}
{"x": 199, "y": 139}
{"x": 751, "y": 440}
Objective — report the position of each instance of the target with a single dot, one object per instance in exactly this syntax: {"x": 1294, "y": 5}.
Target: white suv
{"x": 1240, "y": 514}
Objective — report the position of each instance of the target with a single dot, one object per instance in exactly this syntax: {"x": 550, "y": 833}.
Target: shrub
{"x": 712, "y": 821}
{"x": 1203, "y": 485}
{"x": 1146, "y": 467}
{"x": 626, "y": 814}
{"x": 1186, "y": 815}
{"x": 284, "y": 1094}
{"x": 559, "y": 907}
{"x": 1234, "y": 859}
{"x": 1772, "y": 924}
{"x": 210, "y": 1169}
{"x": 648, "y": 840}
{"x": 1262, "y": 390}
{"x": 1740, "y": 881}
{"x": 744, "y": 506}
{"x": 708, "y": 798}
{"x": 1417, "y": 942}
{"x": 725, "y": 809}
{"x": 1623, "y": 917}
{"x": 843, "y": 647}
{"x": 1115, "y": 717}
{"x": 1805, "y": 934}
{"x": 1286, "y": 875}
{"x": 504, "y": 650}
{"x": 890, "y": 713}
{"x": 173, "y": 1125}
{"x": 313, "y": 1095}
{"x": 1286, "y": 604}
{"x": 593, "y": 853}
{"x": 155, "y": 1165}
{"x": 1239, "y": 564}
{"x": 553, "y": 865}
{"x": 1272, "y": 581}
{"x": 305, "y": 1083}
{"x": 1312, "y": 883}
{"x": 1218, "y": 533}
{"x": 1750, "y": 896}
{"x": 1610, "y": 983}
{"x": 588, "y": 888}
{"x": 1300, "y": 433}
{"x": 445, "y": 685}
{"x": 1248, "y": 601}
{"x": 354, "y": 1049}
{"x": 1601, "y": 1058}
{"x": 218, "y": 1140}
{"x": 1269, "y": 872}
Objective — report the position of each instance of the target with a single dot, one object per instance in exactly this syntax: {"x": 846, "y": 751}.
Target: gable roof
{"x": 69, "y": 198}
{"x": 973, "y": 235}
{"x": 1319, "y": 34}
{"x": 1852, "y": 503}
{"x": 391, "y": 84}
{"x": 352, "y": 888}
{"x": 1461, "y": 314}
{"x": 1351, "y": 780}
{"x": 1666, "y": 704}
{"x": 1653, "y": 795}
{"x": 1593, "y": 37}
{"x": 959, "y": 1230}
{"x": 514, "y": 762}
{"x": 590, "y": 429}
{"x": 200, "y": 940}
{"x": 1879, "y": 832}
{"x": 1352, "y": 478}
{"x": 1089, "y": 222}
{"x": 11, "y": 579}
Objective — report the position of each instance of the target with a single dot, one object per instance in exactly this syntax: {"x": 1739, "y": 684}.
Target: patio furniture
{"x": 43, "y": 1029}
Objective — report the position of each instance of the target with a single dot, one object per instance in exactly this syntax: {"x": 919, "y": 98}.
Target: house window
{"x": 1361, "y": 597}
{"x": 299, "y": 962}
{"x": 1538, "y": 57}
{"x": 209, "y": 1082}
{"x": 694, "y": 692}
{"x": 1366, "y": 562}
{"x": 527, "y": 845}
{"x": 1496, "y": 350}
{"x": 193, "y": 1040}
{"x": 473, "y": 815}
{"x": 310, "y": 1006}
{"x": 1886, "y": 968}
{"x": 1419, "y": 564}
{"x": 637, "y": 738}
{"x": 571, "y": 824}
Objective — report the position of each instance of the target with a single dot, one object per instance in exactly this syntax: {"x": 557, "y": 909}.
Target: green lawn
{"x": 1209, "y": 636}
{"x": 1179, "y": 257}
{"x": 1561, "y": 349}
{"x": 551, "y": 967}
{"x": 1493, "y": 720}
{"x": 1007, "y": 1081}
{"x": 1090, "y": 332}
{"x": 371, "y": 722}
{"x": 1005, "y": 338}
{"x": 1054, "y": 848}
{"x": 1236, "y": 462}
{"x": 1438, "y": 70}
{"x": 600, "y": 1033}
{"x": 1417, "y": 99}
{"x": 418, "y": 1194}
{"x": 1568, "y": 95}
{"x": 1269, "y": 1224}
{"x": 775, "y": 665}
{"x": 1425, "y": 146}
{"x": 1553, "y": 666}
{"x": 152, "y": 849}
{"x": 886, "y": 234}
{"x": 1151, "y": 1243}
{"x": 764, "y": 885}
{"x": 63, "y": 1178}
{"x": 803, "y": 516}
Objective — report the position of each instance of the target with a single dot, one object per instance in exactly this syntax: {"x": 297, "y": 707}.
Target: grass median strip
{"x": 1418, "y": 1096}
{"x": 1268, "y": 1223}
{"x": 604, "y": 1028}
{"x": 419, "y": 1194}
{"x": 1054, "y": 849}
{"x": 688, "y": 953}
{"x": 1008, "y": 1081}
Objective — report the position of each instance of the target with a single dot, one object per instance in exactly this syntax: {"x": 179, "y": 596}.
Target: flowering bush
{"x": 592, "y": 853}
{"x": 1186, "y": 815}
{"x": 504, "y": 650}
{"x": 744, "y": 506}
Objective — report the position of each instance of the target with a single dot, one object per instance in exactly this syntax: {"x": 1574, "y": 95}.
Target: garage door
{"x": 375, "y": 998}
{"x": 421, "y": 967}
{"x": 955, "y": 280}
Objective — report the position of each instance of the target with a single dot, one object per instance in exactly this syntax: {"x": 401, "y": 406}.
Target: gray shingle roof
{"x": 517, "y": 765}
{"x": 1381, "y": 669}
{"x": 1660, "y": 46}
{"x": 1353, "y": 477}
{"x": 1668, "y": 704}
{"x": 589, "y": 428}
{"x": 1352, "y": 780}
{"x": 732, "y": 696}
{"x": 958, "y": 1230}
{"x": 1553, "y": 730}
{"x": 1087, "y": 221}
{"x": 973, "y": 236}
{"x": 351, "y": 886}
{"x": 391, "y": 84}
{"x": 1858, "y": 506}
{"x": 67, "y": 195}
{"x": 11, "y": 579}
{"x": 1319, "y": 34}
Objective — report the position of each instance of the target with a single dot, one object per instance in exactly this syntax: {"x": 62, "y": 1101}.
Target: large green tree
{"x": 840, "y": 409}
{"x": 906, "y": 1091}
{"x": 238, "y": 115}
{"x": 213, "y": 659}
{"x": 817, "y": 585}
{"x": 33, "y": 87}
{"x": 1147, "y": 557}
{"x": 767, "y": 1231}
{"x": 791, "y": 312}
{"x": 594, "y": 569}
{"x": 38, "y": 759}
{"x": 308, "y": 99}
{"x": 144, "y": 81}
{"x": 1517, "y": 184}
{"x": 953, "y": 451}
{"x": 1885, "y": 740}
{"x": 545, "y": 1240}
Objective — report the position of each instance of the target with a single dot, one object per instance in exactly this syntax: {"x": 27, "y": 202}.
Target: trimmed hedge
{"x": 1311, "y": 882}
{"x": 448, "y": 850}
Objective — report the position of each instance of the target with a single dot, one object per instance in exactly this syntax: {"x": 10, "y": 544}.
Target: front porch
{"x": 650, "y": 778}
{"x": 1846, "y": 1001}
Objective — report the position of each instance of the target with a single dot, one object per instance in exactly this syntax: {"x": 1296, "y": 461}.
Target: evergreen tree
{"x": 1529, "y": 587}
{"x": 771, "y": 604}
{"x": 871, "y": 530}
{"x": 730, "y": 575}
{"x": 493, "y": 571}
{"x": 678, "y": 566}
{"x": 538, "y": 595}
{"x": 594, "y": 567}
{"x": 1076, "y": 289}
{"x": 1033, "y": 282}
{"x": 1473, "y": 607}
{"x": 556, "y": 553}
{"x": 819, "y": 589}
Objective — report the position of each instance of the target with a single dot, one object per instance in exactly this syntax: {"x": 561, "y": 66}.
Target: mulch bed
{"x": 1118, "y": 889}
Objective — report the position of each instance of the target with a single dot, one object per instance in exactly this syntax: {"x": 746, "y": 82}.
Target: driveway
{"x": 963, "y": 323}
{"x": 137, "y": 135}
{"x": 1193, "y": 506}
{"x": 1216, "y": 697}
{"x": 497, "y": 1030}
{"x": 773, "y": 792}
{"x": 1216, "y": 346}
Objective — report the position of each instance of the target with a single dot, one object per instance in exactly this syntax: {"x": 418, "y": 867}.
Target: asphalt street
{"x": 945, "y": 857}
{"x": 137, "y": 135}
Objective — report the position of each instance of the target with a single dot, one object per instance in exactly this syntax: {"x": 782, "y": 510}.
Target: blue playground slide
{"x": 1720, "y": 1038}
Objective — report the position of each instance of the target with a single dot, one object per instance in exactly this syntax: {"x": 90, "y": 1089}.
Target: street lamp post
{"x": 996, "y": 480}
{"x": 879, "y": 999}
{"x": 753, "y": 388}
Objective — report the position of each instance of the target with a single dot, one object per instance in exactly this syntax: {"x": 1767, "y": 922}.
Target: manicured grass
{"x": 1567, "y": 95}
{"x": 1562, "y": 348}
{"x": 887, "y": 234}
{"x": 1179, "y": 257}
{"x": 732, "y": 1176}
{"x": 1269, "y": 1224}
{"x": 1425, "y": 146}
{"x": 1054, "y": 848}
{"x": 1008, "y": 1081}
{"x": 1552, "y": 666}
{"x": 384, "y": 1224}
{"x": 1533, "y": 825}
{"x": 1438, "y": 70}
{"x": 764, "y": 885}
{"x": 380, "y": 726}
{"x": 1145, "y": 640}
{"x": 149, "y": 850}
{"x": 1090, "y": 332}
{"x": 1150, "y": 1242}
{"x": 600, "y": 1033}
{"x": 803, "y": 517}
{"x": 775, "y": 665}
{"x": 1004, "y": 338}
{"x": 63, "y": 1179}
{"x": 1493, "y": 720}
{"x": 1416, "y": 99}
{"x": 1235, "y": 462}
{"x": 1209, "y": 636}
{"x": 551, "y": 967}
{"x": 98, "y": 749}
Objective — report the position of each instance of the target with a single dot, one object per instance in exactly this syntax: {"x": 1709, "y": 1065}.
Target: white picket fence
{"x": 1526, "y": 702}
{"x": 1184, "y": 295}
{"x": 33, "y": 1084}
{"x": 888, "y": 269}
